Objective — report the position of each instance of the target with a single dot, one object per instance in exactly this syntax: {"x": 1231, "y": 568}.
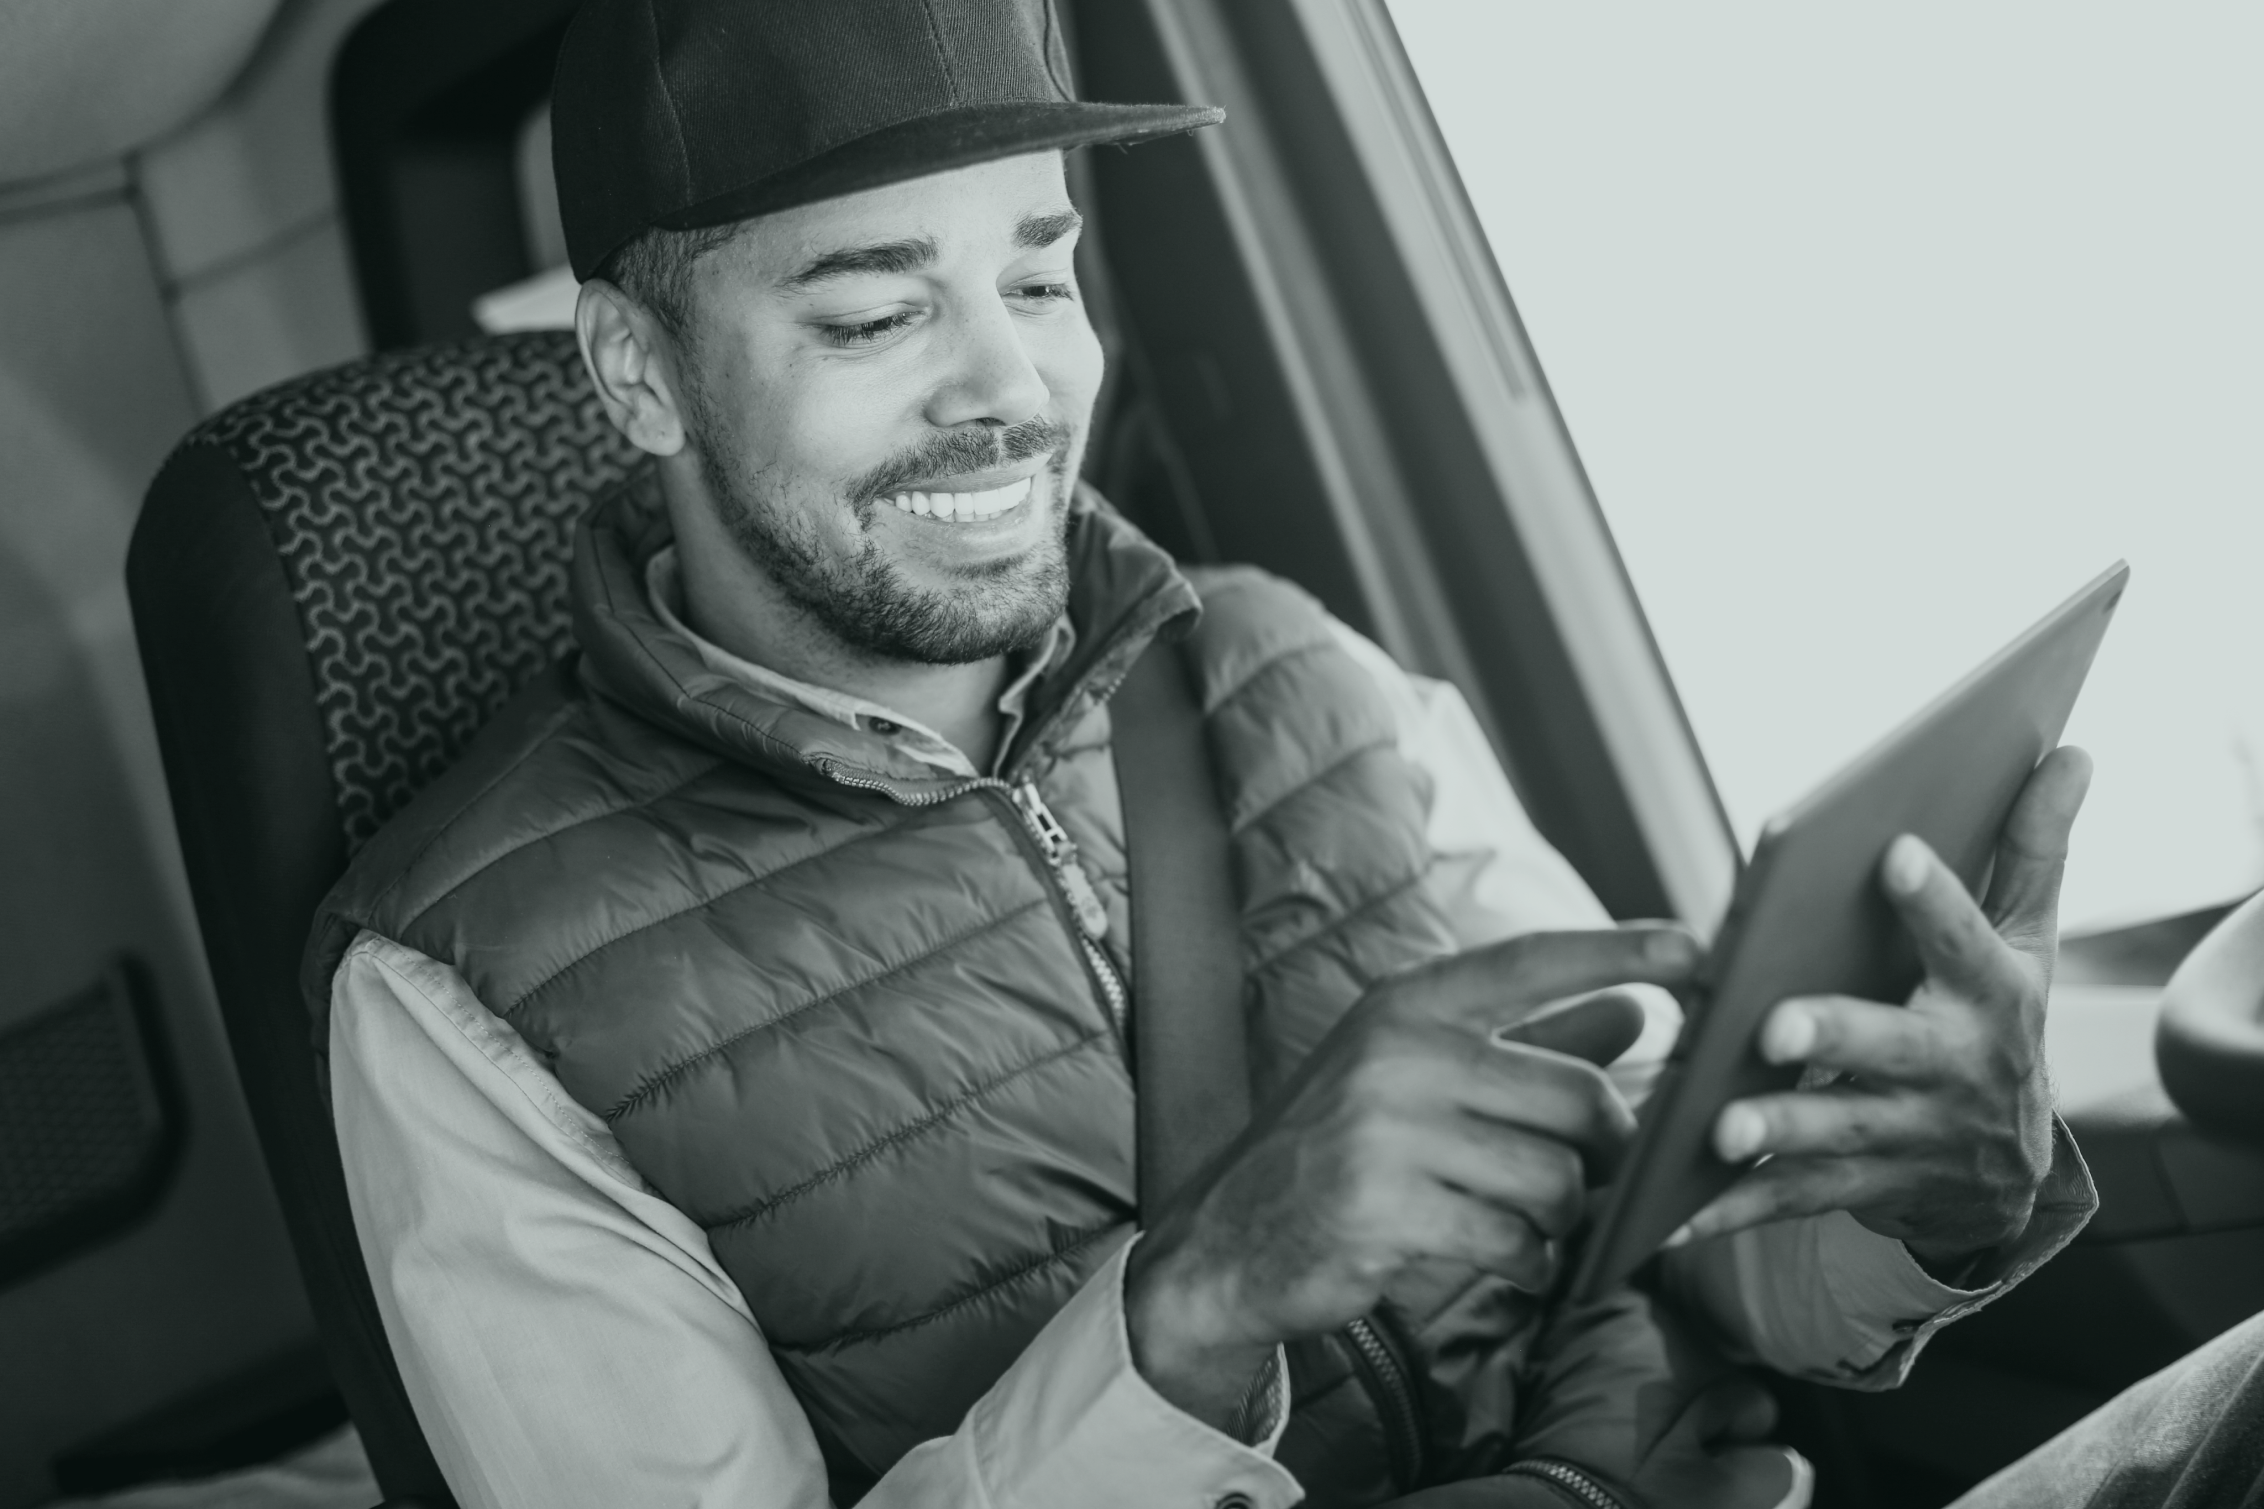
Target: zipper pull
{"x": 1061, "y": 852}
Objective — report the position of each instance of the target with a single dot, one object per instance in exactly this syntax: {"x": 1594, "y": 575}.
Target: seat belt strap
{"x": 1189, "y": 1044}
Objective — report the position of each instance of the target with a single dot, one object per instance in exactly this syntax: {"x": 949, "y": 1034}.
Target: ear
{"x": 631, "y": 359}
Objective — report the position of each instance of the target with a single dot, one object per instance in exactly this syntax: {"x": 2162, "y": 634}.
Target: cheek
{"x": 798, "y": 437}
{"x": 1068, "y": 355}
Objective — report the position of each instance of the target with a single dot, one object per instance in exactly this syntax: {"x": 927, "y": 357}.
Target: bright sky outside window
{"x": 1881, "y": 329}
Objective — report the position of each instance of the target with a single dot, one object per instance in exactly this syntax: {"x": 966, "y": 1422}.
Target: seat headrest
{"x": 422, "y": 504}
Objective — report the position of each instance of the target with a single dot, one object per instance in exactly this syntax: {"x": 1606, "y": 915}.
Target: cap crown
{"x": 666, "y": 112}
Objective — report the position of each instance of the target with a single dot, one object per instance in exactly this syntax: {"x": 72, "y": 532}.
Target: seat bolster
{"x": 2209, "y": 1044}
{"x": 232, "y": 694}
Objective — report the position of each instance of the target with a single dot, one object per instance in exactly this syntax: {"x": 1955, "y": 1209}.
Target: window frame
{"x": 1466, "y": 535}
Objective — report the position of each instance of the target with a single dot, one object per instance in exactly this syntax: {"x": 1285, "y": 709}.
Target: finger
{"x": 1550, "y": 1093}
{"x": 2024, "y": 890}
{"x": 1736, "y": 1409}
{"x": 1487, "y": 1237}
{"x": 1884, "y": 1043}
{"x": 1955, "y": 942}
{"x": 1779, "y": 1190}
{"x": 1491, "y": 987}
{"x": 1595, "y": 1028}
{"x": 1817, "y": 1123}
{"x": 1776, "y": 1477}
{"x": 1537, "y": 1178}
{"x": 1802, "y": 1491}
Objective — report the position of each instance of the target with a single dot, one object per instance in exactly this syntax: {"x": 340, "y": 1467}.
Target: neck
{"x": 732, "y": 602}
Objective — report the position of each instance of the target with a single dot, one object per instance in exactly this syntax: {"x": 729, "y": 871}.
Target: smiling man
{"x": 730, "y": 1055}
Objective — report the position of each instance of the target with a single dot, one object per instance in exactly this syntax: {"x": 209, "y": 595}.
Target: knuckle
{"x": 1593, "y": 1097}
{"x": 1374, "y": 1146}
{"x": 1863, "y": 1127}
{"x": 1385, "y": 1003}
{"x": 1564, "y": 1191}
{"x": 1382, "y": 1081}
{"x": 1509, "y": 1245}
{"x": 1517, "y": 953}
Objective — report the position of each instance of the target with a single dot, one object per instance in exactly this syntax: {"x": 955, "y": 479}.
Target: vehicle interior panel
{"x": 426, "y": 110}
{"x": 92, "y": 394}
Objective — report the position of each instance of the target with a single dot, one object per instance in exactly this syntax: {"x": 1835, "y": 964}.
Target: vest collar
{"x": 1124, "y": 591}
{"x": 664, "y": 589}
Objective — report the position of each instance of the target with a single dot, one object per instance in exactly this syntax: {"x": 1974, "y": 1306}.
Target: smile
{"x": 964, "y": 508}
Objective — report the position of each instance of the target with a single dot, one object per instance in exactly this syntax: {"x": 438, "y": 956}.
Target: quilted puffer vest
{"x": 836, "y": 1006}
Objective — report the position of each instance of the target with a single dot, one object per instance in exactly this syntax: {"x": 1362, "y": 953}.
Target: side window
{"x": 545, "y": 300}
{"x": 1879, "y": 331}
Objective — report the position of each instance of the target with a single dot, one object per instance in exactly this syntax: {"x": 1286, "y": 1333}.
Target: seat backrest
{"x": 335, "y": 583}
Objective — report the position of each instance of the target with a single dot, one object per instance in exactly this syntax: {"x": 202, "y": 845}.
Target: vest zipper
{"x": 1572, "y": 1481}
{"x": 1040, "y": 829}
{"x": 1395, "y": 1400}
{"x": 1060, "y": 851}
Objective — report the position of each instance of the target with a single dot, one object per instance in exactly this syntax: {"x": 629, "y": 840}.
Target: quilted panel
{"x": 423, "y": 503}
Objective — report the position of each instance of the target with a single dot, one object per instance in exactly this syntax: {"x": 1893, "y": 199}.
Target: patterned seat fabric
{"x": 423, "y": 504}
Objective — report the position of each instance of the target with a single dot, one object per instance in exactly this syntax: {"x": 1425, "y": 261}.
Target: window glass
{"x": 546, "y": 300}
{"x": 1880, "y": 330}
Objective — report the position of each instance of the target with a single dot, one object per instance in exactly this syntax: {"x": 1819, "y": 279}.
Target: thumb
{"x": 1598, "y": 1028}
{"x": 2024, "y": 888}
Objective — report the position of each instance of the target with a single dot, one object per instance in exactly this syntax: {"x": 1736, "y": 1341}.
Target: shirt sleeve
{"x": 1821, "y": 1297}
{"x": 568, "y": 1340}
{"x": 1828, "y": 1299}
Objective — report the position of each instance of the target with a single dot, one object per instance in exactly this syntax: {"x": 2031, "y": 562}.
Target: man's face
{"x": 888, "y": 396}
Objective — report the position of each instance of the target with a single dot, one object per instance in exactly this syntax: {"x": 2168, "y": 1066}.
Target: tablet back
{"x": 1809, "y": 918}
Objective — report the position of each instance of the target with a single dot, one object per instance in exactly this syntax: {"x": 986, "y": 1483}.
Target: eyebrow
{"x": 882, "y": 257}
{"x": 895, "y": 258}
{"x": 1034, "y": 231}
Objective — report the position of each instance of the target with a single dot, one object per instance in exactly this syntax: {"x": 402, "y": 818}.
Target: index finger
{"x": 1492, "y": 987}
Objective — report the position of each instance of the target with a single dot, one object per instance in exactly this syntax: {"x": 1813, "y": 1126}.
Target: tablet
{"x": 1808, "y": 916}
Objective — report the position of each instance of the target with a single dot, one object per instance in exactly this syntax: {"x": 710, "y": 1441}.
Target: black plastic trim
{"x": 426, "y": 101}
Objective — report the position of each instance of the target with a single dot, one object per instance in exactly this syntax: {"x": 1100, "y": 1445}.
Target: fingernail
{"x": 1791, "y": 1036}
{"x": 1667, "y": 947}
{"x": 1681, "y": 1237}
{"x": 1737, "y": 1136}
{"x": 1906, "y": 864}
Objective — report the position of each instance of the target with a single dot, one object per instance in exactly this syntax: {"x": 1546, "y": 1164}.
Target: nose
{"x": 989, "y": 377}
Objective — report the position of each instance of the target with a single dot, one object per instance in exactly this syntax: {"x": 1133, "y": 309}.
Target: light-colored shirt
{"x": 569, "y": 1340}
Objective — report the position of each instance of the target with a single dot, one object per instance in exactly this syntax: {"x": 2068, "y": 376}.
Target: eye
{"x": 1064, "y": 292}
{"x": 866, "y": 332}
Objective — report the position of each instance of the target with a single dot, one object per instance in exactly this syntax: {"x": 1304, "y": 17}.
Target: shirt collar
{"x": 664, "y": 586}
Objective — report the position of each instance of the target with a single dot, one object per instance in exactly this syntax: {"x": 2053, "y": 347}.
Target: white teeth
{"x": 963, "y": 507}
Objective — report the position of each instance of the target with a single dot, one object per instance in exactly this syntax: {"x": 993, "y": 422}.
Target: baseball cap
{"x": 690, "y": 113}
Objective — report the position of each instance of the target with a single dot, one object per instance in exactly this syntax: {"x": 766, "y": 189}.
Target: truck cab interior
{"x": 1315, "y": 365}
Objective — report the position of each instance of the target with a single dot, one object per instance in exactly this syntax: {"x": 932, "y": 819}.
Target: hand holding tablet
{"x": 1931, "y": 1139}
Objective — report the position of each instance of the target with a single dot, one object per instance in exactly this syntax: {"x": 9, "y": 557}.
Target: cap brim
{"x": 939, "y": 142}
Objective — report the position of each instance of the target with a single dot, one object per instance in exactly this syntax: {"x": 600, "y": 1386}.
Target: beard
{"x": 864, "y": 600}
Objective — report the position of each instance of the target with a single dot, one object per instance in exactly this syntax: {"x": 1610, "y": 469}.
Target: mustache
{"x": 963, "y": 450}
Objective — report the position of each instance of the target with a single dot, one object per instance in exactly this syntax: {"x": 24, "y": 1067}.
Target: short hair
{"x": 655, "y": 266}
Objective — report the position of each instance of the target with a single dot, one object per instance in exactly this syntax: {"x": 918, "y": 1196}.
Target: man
{"x": 729, "y": 1056}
